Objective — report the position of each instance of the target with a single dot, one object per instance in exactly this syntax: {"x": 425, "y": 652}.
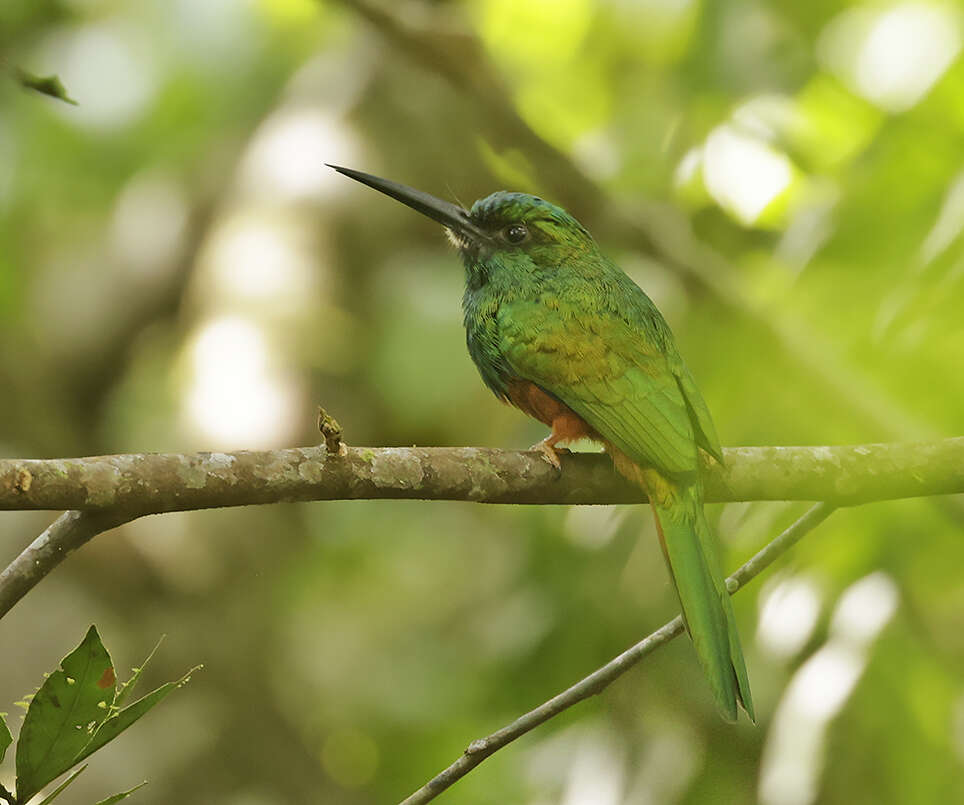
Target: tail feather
{"x": 690, "y": 551}
{"x": 691, "y": 554}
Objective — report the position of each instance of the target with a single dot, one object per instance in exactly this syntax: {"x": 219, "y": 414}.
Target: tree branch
{"x": 598, "y": 680}
{"x": 105, "y": 491}
{"x": 67, "y": 533}
{"x": 150, "y": 483}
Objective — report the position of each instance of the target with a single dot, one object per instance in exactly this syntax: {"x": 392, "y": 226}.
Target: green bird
{"x": 562, "y": 333}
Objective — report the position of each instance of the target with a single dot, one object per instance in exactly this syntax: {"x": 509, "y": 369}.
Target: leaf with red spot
{"x": 63, "y": 715}
{"x": 108, "y": 679}
{"x": 76, "y": 712}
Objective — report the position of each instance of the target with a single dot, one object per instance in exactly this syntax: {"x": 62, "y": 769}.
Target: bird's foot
{"x": 550, "y": 453}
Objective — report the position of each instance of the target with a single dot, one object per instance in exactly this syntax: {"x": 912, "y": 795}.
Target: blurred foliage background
{"x": 179, "y": 272}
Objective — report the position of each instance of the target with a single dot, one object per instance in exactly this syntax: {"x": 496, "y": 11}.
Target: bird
{"x": 559, "y": 331}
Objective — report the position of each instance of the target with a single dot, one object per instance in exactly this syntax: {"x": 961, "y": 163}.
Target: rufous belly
{"x": 566, "y": 424}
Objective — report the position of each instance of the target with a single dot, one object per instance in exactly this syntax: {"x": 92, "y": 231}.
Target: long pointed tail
{"x": 690, "y": 550}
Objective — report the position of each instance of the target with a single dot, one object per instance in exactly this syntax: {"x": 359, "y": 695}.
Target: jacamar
{"x": 562, "y": 333}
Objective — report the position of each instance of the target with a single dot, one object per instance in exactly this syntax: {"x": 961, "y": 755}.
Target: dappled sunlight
{"x": 793, "y": 758}
{"x": 540, "y": 43}
{"x": 537, "y": 35}
{"x": 744, "y": 174}
{"x": 234, "y": 398}
{"x": 580, "y": 765}
{"x": 219, "y": 34}
{"x": 668, "y": 761}
{"x": 893, "y": 55}
{"x": 112, "y": 73}
{"x": 259, "y": 256}
{"x": 591, "y": 765}
{"x": 742, "y": 167}
{"x": 789, "y": 609}
{"x": 179, "y": 271}
{"x": 286, "y": 158}
{"x": 596, "y": 773}
{"x": 864, "y": 610}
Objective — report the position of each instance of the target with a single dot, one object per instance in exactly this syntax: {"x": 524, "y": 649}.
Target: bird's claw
{"x": 550, "y": 453}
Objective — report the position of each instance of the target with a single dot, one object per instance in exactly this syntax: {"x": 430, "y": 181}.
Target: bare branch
{"x": 67, "y": 533}
{"x": 152, "y": 483}
{"x": 598, "y": 680}
{"x": 105, "y": 491}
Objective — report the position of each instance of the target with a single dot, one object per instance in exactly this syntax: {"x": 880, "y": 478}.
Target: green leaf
{"x": 123, "y": 795}
{"x": 46, "y": 85}
{"x": 75, "y": 713}
{"x": 127, "y": 688}
{"x": 56, "y": 792}
{"x": 64, "y": 714}
{"x": 5, "y": 737}
{"x": 119, "y": 722}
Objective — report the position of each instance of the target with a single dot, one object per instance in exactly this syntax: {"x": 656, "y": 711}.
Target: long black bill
{"x": 450, "y": 215}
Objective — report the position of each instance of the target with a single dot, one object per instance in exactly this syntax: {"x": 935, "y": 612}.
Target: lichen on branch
{"x": 150, "y": 483}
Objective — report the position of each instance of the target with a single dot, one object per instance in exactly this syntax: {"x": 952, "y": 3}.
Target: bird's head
{"x": 520, "y": 232}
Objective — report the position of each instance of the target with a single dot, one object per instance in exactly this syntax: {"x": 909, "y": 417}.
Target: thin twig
{"x": 598, "y": 680}
{"x": 765, "y": 557}
{"x": 67, "y": 533}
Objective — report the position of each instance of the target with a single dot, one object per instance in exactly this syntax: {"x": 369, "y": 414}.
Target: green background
{"x": 178, "y": 272}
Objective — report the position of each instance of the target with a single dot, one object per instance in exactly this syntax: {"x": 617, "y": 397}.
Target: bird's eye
{"x": 515, "y": 233}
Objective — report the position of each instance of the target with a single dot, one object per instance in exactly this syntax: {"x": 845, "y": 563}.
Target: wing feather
{"x": 617, "y": 377}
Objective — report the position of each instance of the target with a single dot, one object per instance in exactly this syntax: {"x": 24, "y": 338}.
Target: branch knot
{"x": 332, "y": 432}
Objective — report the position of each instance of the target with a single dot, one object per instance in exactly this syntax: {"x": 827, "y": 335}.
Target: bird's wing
{"x": 615, "y": 375}
{"x": 699, "y": 414}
